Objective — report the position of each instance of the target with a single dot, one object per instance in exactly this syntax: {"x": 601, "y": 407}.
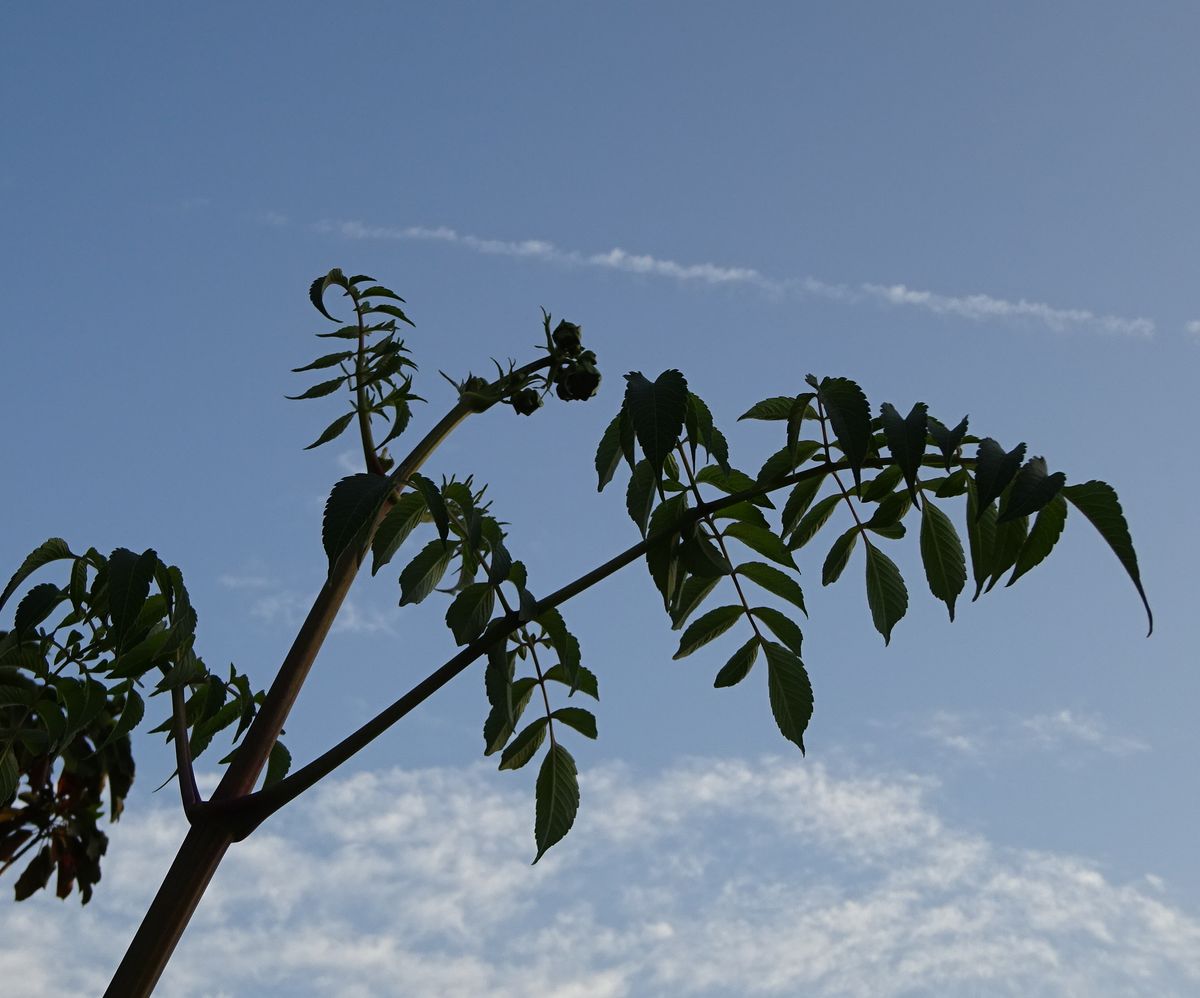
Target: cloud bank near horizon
{"x": 972, "y": 307}
{"x": 758, "y": 877}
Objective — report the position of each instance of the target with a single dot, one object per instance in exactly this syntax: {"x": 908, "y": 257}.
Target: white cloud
{"x": 717, "y": 877}
{"x": 1193, "y": 327}
{"x": 973, "y": 307}
{"x": 1069, "y": 734}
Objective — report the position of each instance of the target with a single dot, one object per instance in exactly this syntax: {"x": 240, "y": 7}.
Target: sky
{"x": 988, "y": 209}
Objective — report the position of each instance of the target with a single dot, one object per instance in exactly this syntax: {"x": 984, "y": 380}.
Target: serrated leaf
{"x": 790, "y": 692}
{"x": 608, "y": 454}
{"x": 690, "y": 597}
{"x": 585, "y": 680}
{"x": 424, "y": 572}
{"x": 434, "y": 503}
{"x": 744, "y": 511}
{"x": 316, "y": 293}
{"x": 886, "y": 595}
{"x": 504, "y": 716}
{"x": 703, "y": 558}
{"x": 400, "y": 521}
{"x": 906, "y": 440}
{"x": 35, "y": 876}
{"x": 10, "y": 775}
{"x": 1031, "y": 490}
{"x": 798, "y": 501}
{"x": 657, "y": 410}
{"x": 707, "y": 628}
{"x": 378, "y": 291}
{"x": 350, "y": 512}
{"x": 564, "y": 643}
{"x": 525, "y": 745}
{"x": 333, "y": 430}
{"x": 470, "y": 612}
{"x": 700, "y": 427}
{"x": 129, "y": 578}
{"x": 784, "y": 461}
{"x": 882, "y": 485}
{"x": 392, "y": 310}
{"x": 994, "y": 469}
{"x": 774, "y": 581}
{"x": 1046, "y": 530}
{"x": 1010, "y": 538}
{"x": 132, "y": 712}
{"x": 557, "y": 799}
{"x": 890, "y": 511}
{"x": 738, "y": 666}
{"x": 774, "y": 408}
{"x": 942, "y": 554}
{"x": 811, "y": 522}
{"x": 849, "y": 414}
{"x": 948, "y": 441}
{"x": 781, "y": 625}
{"x": 278, "y": 764}
{"x": 54, "y": 549}
{"x": 583, "y": 721}
{"x": 763, "y": 541}
{"x": 319, "y": 390}
{"x": 839, "y": 555}
{"x": 730, "y": 481}
{"x": 1098, "y": 502}
{"x": 35, "y": 606}
{"x": 954, "y": 485}
{"x": 329, "y": 360}
{"x": 639, "y": 495}
{"x": 981, "y": 538}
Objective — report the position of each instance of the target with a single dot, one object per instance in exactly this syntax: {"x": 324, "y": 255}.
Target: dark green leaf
{"x": 1031, "y": 490}
{"x": 319, "y": 391}
{"x": 505, "y": 716}
{"x": 744, "y": 511}
{"x": 557, "y": 799}
{"x": 400, "y": 521}
{"x": 790, "y": 690}
{"x": 981, "y": 538}
{"x": 781, "y": 625}
{"x": 850, "y": 416}
{"x": 129, "y": 578}
{"x": 706, "y": 628}
{"x": 586, "y": 679}
{"x": 1010, "y": 538}
{"x": 776, "y": 407}
{"x": 703, "y": 558}
{"x": 954, "y": 485}
{"x": 774, "y": 581}
{"x": 657, "y": 409}
{"x": 10, "y": 775}
{"x": 434, "y": 503}
{"x": 278, "y": 764}
{"x": 762, "y": 541}
{"x": 424, "y": 572}
{"x": 731, "y": 481}
{"x": 994, "y": 469}
{"x": 350, "y": 512}
{"x": 333, "y": 430}
{"x": 948, "y": 441}
{"x": 329, "y": 360}
{"x": 470, "y": 612}
{"x": 839, "y": 555}
{"x": 942, "y": 553}
{"x": 701, "y": 429}
{"x": 798, "y": 501}
{"x": 811, "y": 522}
{"x": 525, "y": 745}
{"x": 316, "y": 292}
{"x": 35, "y": 876}
{"x": 882, "y": 484}
{"x": 1047, "y": 528}
{"x": 639, "y": 495}
{"x": 583, "y": 721}
{"x": 608, "y": 454}
{"x": 886, "y": 595}
{"x": 690, "y": 597}
{"x": 36, "y": 606}
{"x": 784, "y": 461}
{"x": 906, "y": 440}
{"x": 564, "y": 643}
{"x": 1098, "y": 502}
{"x": 378, "y": 291}
{"x": 392, "y": 310}
{"x": 738, "y": 666}
{"x": 54, "y": 549}
{"x": 890, "y": 511}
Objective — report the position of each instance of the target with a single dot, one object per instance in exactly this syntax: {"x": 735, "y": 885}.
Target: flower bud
{"x": 568, "y": 338}
{"x": 527, "y": 401}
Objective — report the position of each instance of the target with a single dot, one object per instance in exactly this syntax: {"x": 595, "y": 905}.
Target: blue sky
{"x": 990, "y": 210}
